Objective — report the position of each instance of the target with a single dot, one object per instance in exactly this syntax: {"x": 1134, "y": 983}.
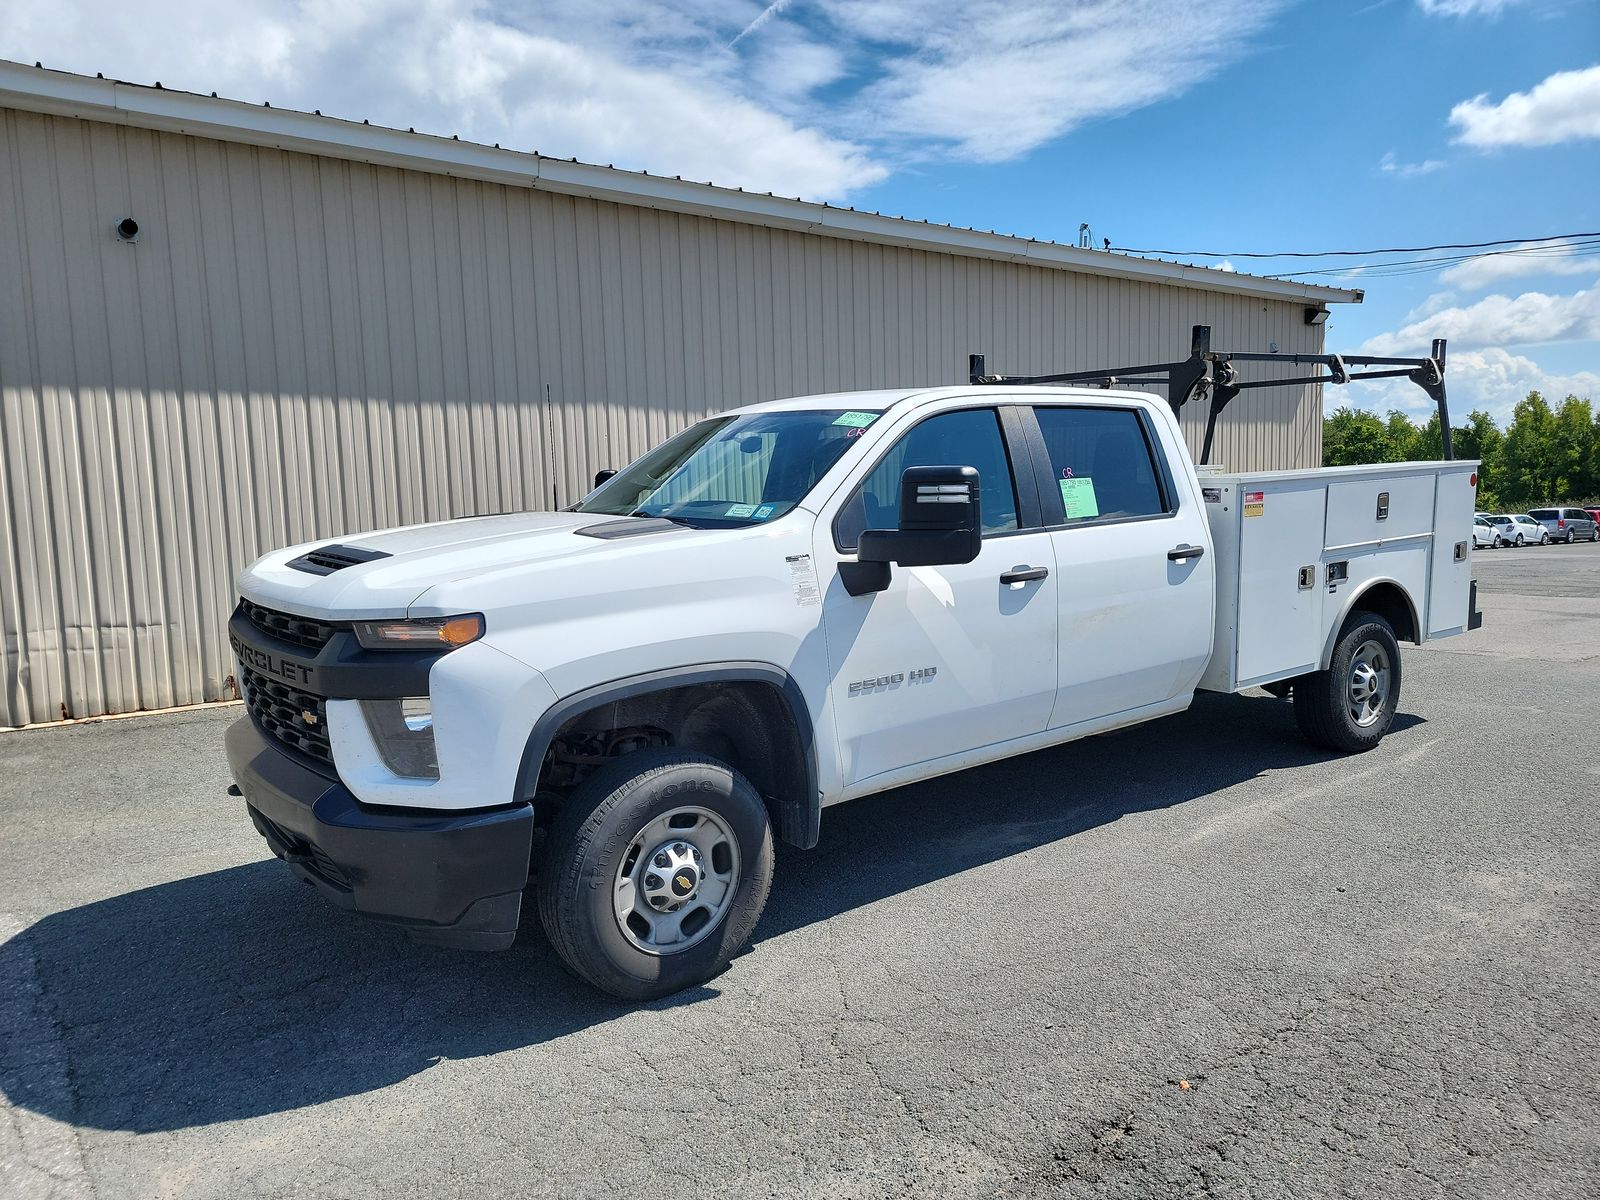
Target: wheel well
{"x": 748, "y": 724}
{"x": 1389, "y": 601}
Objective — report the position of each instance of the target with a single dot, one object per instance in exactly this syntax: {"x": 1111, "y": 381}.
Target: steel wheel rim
{"x": 676, "y": 881}
{"x": 1367, "y": 690}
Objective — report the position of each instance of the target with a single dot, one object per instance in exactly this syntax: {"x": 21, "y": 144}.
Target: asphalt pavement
{"x": 1195, "y": 958}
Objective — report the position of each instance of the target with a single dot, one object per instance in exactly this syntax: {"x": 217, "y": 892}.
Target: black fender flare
{"x": 799, "y": 816}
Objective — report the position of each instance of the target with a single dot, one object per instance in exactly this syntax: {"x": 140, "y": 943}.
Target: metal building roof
{"x": 36, "y": 89}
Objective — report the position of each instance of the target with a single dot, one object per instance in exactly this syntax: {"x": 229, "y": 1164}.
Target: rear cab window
{"x": 1104, "y": 466}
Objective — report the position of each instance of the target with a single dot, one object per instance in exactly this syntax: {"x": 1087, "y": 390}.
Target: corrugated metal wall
{"x": 298, "y": 347}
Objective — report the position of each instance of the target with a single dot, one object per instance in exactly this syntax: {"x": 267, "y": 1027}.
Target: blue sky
{"x": 1236, "y": 125}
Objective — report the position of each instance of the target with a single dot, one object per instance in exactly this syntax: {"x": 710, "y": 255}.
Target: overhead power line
{"x": 1554, "y": 237}
{"x": 1566, "y": 251}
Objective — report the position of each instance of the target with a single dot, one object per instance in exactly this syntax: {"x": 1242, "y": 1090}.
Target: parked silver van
{"x": 1567, "y": 524}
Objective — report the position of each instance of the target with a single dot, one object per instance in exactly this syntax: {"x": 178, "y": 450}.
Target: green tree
{"x": 1528, "y": 454}
{"x": 1352, "y": 437}
{"x": 1573, "y": 451}
{"x": 1481, "y": 439}
{"x": 1404, "y": 438}
{"x": 1429, "y": 445}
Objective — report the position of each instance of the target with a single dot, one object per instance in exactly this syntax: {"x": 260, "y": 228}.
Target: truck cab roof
{"x": 883, "y": 399}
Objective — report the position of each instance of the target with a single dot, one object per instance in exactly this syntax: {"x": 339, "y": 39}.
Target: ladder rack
{"x": 1209, "y": 373}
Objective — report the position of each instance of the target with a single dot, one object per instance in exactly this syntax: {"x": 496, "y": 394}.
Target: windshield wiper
{"x": 639, "y": 512}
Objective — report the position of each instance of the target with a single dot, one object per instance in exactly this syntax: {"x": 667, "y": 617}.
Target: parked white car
{"x": 1485, "y": 534}
{"x": 1519, "y": 529}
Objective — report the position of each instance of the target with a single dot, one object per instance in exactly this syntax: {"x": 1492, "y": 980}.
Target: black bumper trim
{"x": 451, "y": 879}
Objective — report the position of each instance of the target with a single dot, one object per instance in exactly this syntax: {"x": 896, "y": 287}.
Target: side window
{"x": 969, "y": 438}
{"x": 1101, "y": 463}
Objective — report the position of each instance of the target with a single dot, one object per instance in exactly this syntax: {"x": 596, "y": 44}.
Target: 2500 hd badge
{"x": 884, "y": 683}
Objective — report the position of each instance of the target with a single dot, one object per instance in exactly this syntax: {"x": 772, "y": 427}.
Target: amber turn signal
{"x": 428, "y": 633}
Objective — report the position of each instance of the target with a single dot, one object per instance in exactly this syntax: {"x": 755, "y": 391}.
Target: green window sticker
{"x": 1078, "y": 495}
{"x": 856, "y": 420}
{"x": 741, "y": 510}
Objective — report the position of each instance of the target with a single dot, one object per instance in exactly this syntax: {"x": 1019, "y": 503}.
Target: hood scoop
{"x": 325, "y": 560}
{"x": 627, "y": 527}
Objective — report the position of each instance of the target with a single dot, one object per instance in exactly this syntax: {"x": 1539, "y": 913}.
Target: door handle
{"x": 1180, "y": 553}
{"x": 1024, "y": 574}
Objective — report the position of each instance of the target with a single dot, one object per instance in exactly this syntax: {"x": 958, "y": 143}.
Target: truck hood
{"x": 420, "y": 557}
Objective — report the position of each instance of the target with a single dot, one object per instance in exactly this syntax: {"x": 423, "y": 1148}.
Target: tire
{"x": 1569, "y": 537}
{"x": 602, "y": 827}
{"x": 1520, "y": 541}
{"x": 1365, "y": 658}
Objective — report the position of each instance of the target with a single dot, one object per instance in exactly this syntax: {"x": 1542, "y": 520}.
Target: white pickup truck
{"x": 783, "y": 607}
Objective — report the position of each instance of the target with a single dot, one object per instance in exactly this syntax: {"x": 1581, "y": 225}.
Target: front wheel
{"x": 655, "y": 873}
{"x": 1350, "y": 706}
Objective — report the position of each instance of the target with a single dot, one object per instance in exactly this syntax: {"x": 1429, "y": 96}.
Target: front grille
{"x": 283, "y": 711}
{"x": 300, "y": 631}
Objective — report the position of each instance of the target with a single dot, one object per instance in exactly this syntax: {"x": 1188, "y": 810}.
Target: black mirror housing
{"x": 941, "y": 520}
{"x": 601, "y": 476}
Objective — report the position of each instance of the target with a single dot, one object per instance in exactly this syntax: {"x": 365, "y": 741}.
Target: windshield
{"x": 729, "y": 471}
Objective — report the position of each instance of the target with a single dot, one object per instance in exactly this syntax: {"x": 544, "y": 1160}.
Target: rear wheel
{"x": 1520, "y": 539}
{"x": 1351, "y": 705}
{"x": 655, "y": 872}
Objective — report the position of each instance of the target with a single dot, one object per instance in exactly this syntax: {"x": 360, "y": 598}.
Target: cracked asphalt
{"x": 1197, "y": 958}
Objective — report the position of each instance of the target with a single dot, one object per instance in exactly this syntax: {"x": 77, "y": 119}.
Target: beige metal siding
{"x": 300, "y": 347}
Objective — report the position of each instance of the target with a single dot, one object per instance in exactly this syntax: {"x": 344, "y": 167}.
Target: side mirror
{"x": 601, "y": 476}
{"x": 941, "y": 523}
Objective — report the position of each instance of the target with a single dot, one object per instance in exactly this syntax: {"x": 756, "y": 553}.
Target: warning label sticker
{"x": 803, "y": 580}
{"x": 1255, "y": 503}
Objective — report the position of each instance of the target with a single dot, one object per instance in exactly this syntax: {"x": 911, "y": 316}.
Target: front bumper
{"x": 451, "y": 879}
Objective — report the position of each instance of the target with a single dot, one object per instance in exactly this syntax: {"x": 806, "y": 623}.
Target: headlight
{"x": 403, "y": 733}
{"x": 428, "y": 633}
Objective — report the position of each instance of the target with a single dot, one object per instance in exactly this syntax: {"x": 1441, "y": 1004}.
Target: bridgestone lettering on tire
{"x": 1350, "y": 706}
{"x": 655, "y": 872}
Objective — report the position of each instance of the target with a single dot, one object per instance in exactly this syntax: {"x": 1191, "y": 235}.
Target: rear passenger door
{"x": 1136, "y": 620}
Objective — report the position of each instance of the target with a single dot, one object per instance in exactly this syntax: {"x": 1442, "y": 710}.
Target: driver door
{"x": 949, "y": 659}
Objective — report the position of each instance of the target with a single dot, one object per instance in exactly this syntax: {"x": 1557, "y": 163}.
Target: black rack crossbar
{"x": 1211, "y": 374}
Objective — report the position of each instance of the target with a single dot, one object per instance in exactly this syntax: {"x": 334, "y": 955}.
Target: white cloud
{"x": 1534, "y": 258}
{"x": 1490, "y": 379}
{"x": 817, "y": 99}
{"x": 1465, "y": 8}
{"x": 993, "y": 79}
{"x": 1562, "y": 108}
{"x": 1389, "y": 165}
{"x": 1526, "y": 320}
{"x": 607, "y": 81}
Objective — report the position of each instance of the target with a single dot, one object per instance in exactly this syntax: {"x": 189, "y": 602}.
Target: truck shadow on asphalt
{"x": 239, "y": 992}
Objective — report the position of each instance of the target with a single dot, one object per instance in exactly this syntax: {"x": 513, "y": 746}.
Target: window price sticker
{"x": 1077, "y": 494}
